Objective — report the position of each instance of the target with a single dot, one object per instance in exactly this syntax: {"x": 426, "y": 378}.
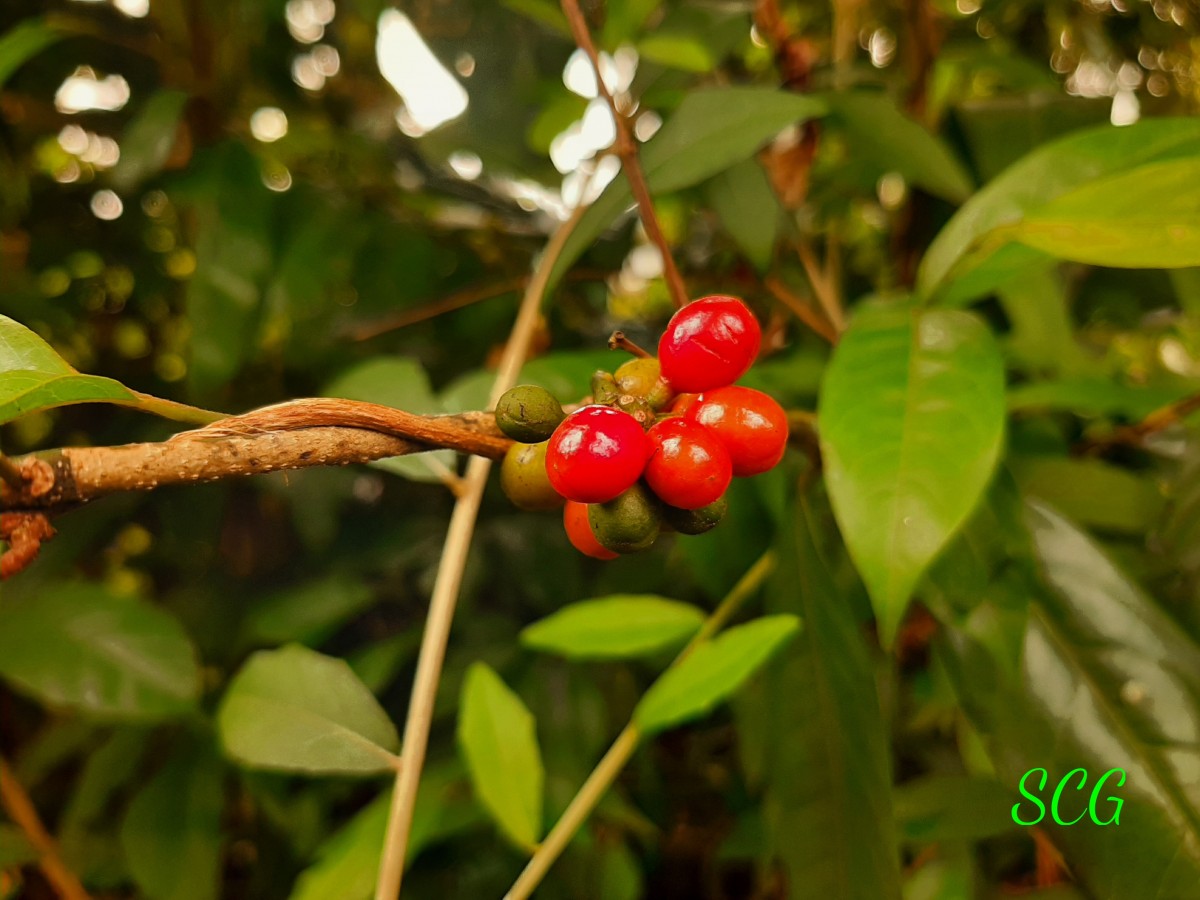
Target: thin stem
{"x": 803, "y": 311}
{"x": 822, "y": 286}
{"x": 610, "y": 766}
{"x": 447, "y": 584}
{"x": 618, "y": 341}
{"x": 21, "y": 810}
{"x": 10, "y": 474}
{"x": 626, "y": 147}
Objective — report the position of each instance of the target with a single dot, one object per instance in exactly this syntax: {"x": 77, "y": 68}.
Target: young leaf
{"x": 297, "y": 710}
{"x": 171, "y": 834}
{"x": 1146, "y": 218}
{"x": 973, "y": 241}
{"x": 617, "y": 627}
{"x": 912, "y": 420}
{"x": 498, "y": 739}
{"x": 712, "y": 673}
{"x": 709, "y": 132}
{"x": 76, "y": 645}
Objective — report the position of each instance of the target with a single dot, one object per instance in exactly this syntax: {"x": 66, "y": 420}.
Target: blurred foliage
{"x": 258, "y": 208}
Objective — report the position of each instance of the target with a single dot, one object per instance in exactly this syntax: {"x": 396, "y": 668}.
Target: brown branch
{"x": 1159, "y": 420}
{"x": 294, "y": 435}
{"x": 21, "y": 810}
{"x": 626, "y": 147}
{"x": 822, "y": 285}
{"x": 803, "y": 311}
{"x": 618, "y": 341}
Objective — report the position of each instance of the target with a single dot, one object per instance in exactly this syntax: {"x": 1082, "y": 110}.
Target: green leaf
{"x": 148, "y": 139}
{"x": 400, "y": 383}
{"x": 1107, "y": 680}
{"x": 297, "y": 710}
{"x": 22, "y": 42}
{"x": 75, "y": 645}
{"x": 171, "y": 834}
{"x": 879, "y": 131}
{"x": 677, "y": 51}
{"x": 710, "y": 131}
{"x": 827, "y": 768}
{"x": 712, "y": 673}
{"x": 347, "y": 864}
{"x": 15, "y": 849}
{"x": 622, "y": 626}
{"x": 969, "y": 242}
{"x": 1091, "y": 397}
{"x": 912, "y": 421}
{"x": 749, "y": 210}
{"x": 307, "y": 614}
{"x": 936, "y": 808}
{"x": 498, "y": 739}
{"x": 1145, "y": 218}
{"x": 1092, "y": 492}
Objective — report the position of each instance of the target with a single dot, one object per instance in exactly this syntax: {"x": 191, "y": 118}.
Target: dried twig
{"x": 24, "y": 815}
{"x": 626, "y": 148}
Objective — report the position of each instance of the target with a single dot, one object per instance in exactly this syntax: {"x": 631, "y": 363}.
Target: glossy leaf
{"x": 749, "y": 211}
{"x": 498, "y": 739}
{"x": 1145, "y": 218}
{"x": 77, "y": 646}
{"x": 912, "y": 421}
{"x": 827, "y": 760}
{"x": 171, "y": 834}
{"x": 712, "y": 672}
{"x": 1107, "y": 681}
{"x": 297, "y": 710}
{"x": 709, "y": 132}
{"x": 879, "y": 130}
{"x": 22, "y": 42}
{"x": 618, "y": 627}
{"x": 971, "y": 239}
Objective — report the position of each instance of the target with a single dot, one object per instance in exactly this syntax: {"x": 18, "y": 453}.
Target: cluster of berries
{"x": 659, "y": 442}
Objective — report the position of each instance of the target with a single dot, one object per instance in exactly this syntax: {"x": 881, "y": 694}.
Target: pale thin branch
{"x": 803, "y": 311}
{"x": 823, "y": 286}
{"x": 24, "y": 815}
{"x": 626, "y": 148}
{"x": 447, "y": 583}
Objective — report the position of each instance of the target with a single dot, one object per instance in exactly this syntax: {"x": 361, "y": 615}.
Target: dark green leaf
{"x": 1107, "y": 681}
{"x": 1092, "y": 492}
{"x": 711, "y": 130}
{"x": 498, "y": 739}
{"x": 22, "y": 42}
{"x": 172, "y": 832}
{"x": 297, "y": 710}
{"x": 743, "y": 198}
{"x": 15, "y": 849}
{"x": 617, "y": 627}
{"x": 78, "y": 646}
{"x": 307, "y": 614}
{"x": 877, "y": 129}
{"x": 939, "y": 808}
{"x": 712, "y": 672}
{"x": 148, "y": 139}
{"x": 912, "y": 420}
{"x": 827, "y": 768}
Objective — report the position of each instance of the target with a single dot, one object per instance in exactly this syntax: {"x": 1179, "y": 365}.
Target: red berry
{"x": 751, "y": 425}
{"x": 688, "y": 466}
{"x": 579, "y": 531}
{"x": 708, "y": 344}
{"x": 595, "y": 454}
{"x": 682, "y": 403}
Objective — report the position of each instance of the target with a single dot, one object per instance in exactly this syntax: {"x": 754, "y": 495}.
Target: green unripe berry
{"x": 528, "y": 413}
{"x": 695, "y": 521}
{"x": 524, "y": 480}
{"x": 642, "y": 378}
{"x": 604, "y": 388}
{"x": 629, "y": 523}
